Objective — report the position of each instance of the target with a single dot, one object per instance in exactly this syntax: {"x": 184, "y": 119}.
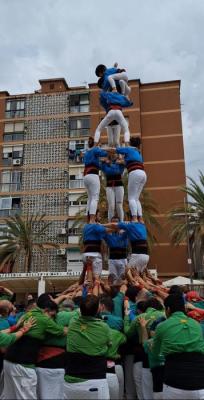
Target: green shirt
{"x": 7, "y": 339}
{"x": 178, "y": 334}
{"x": 90, "y": 336}
{"x": 117, "y": 339}
{"x": 154, "y": 360}
{"x": 44, "y": 325}
{"x": 133, "y": 327}
{"x": 63, "y": 318}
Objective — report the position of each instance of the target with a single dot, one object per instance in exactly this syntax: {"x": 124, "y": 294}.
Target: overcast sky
{"x": 153, "y": 39}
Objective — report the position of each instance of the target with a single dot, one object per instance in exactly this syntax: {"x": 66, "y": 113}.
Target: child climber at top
{"x": 111, "y": 77}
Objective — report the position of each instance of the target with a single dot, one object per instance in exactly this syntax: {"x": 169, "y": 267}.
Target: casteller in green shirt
{"x": 178, "y": 334}
{"x": 150, "y": 314}
{"x": 44, "y": 324}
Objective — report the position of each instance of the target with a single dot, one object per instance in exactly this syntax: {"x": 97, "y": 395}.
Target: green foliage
{"x": 188, "y": 220}
{"x": 21, "y": 236}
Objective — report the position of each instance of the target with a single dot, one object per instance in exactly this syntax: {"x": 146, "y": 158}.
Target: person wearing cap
{"x": 180, "y": 340}
{"x": 88, "y": 342}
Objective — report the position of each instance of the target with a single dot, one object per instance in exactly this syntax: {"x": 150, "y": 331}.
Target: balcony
{"x": 76, "y": 184}
{"x": 10, "y": 187}
{"x": 10, "y": 213}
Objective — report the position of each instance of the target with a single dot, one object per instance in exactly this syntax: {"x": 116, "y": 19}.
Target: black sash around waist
{"x": 84, "y": 366}
{"x": 24, "y": 351}
{"x": 184, "y": 371}
{"x": 114, "y": 180}
{"x": 91, "y": 169}
{"x": 117, "y": 253}
{"x": 139, "y": 247}
{"x": 133, "y": 165}
{"x": 92, "y": 246}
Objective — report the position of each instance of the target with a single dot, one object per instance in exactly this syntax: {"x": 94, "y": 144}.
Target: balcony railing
{"x": 10, "y": 213}
{"x": 10, "y": 187}
{"x": 76, "y": 184}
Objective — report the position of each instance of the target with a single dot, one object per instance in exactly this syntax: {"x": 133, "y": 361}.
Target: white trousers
{"x": 93, "y": 389}
{"x": 92, "y": 185}
{"x": 115, "y": 197}
{"x": 170, "y": 393}
{"x": 120, "y": 374}
{"x": 136, "y": 182}
{"x": 113, "y": 386}
{"x": 50, "y": 383}
{"x": 130, "y": 390}
{"x": 117, "y": 267}
{"x": 97, "y": 262}
{"x": 122, "y": 77}
{"x": 137, "y": 375}
{"x": 113, "y": 115}
{"x": 113, "y": 132}
{"x": 138, "y": 261}
{"x": 158, "y": 395}
{"x": 147, "y": 384}
{"x": 19, "y": 382}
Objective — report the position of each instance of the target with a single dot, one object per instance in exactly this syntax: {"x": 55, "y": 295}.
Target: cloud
{"x": 155, "y": 40}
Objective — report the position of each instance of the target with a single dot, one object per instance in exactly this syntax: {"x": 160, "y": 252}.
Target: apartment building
{"x": 42, "y": 135}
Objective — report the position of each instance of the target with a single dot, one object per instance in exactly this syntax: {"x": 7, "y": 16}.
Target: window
{"x": 11, "y": 181}
{"x": 11, "y": 153}
{"x": 76, "y": 150}
{"x": 79, "y": 102}
{"x": 14, "y": 131}
{"x": 74, "y": 231}
{"x": 79, "y": 127}
{"x": 15, "y": 108}
{"x": 77, "y": 203}
{"x": 9, "y": 206}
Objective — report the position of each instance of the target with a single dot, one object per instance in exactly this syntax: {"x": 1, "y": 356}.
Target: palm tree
{"x": 21, "y": 236}
{"x": 188, "y": 221}
{"x": 149, "y": 207}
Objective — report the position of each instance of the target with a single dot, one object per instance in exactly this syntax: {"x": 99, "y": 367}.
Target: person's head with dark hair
{"x": 135, "y": 142}
{"x": 100, "y": 69}
{"x": 132, "y": 293}
{"x": 141, "y": 307}
{"x": 90, "y": 142}
{"x": 77, "y": 300}
{"x": 4, "y": 309}
{"x": 174, "y": 303}
{"x": 47, "y": 304}
{"x": 175, "y": 289}
{"x": 106, "y": 303}
{"x": 89, "y": 306}
{"x": 154, "y": 303}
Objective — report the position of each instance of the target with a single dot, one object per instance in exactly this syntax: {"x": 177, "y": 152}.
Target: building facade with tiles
{"x": 41, "y": 137}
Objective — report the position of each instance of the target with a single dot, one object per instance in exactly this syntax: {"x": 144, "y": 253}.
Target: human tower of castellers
{"x": 124, "y": 337}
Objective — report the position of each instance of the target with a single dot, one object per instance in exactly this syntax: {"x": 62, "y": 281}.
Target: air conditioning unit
{"x": 61, "y": 252}
{"x": 17, "y": 161}
{"x": 62, "y": 231}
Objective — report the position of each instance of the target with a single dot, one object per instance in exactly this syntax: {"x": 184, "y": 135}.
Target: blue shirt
{"x": 107, "y": 73}
{"x": 112, "y": 169}
{"x": 113, "y": 321}
{"x": 93, "y": 232}
{"x": 130, "y": 154}
{"x": 113, "y": 98}
{"x": 91, "y": 157}
{"x": 116, "y": 239}
{"x": 135, "y": 230}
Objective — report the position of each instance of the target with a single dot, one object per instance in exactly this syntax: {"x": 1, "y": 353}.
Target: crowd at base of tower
{"x": 127, "y": 338}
